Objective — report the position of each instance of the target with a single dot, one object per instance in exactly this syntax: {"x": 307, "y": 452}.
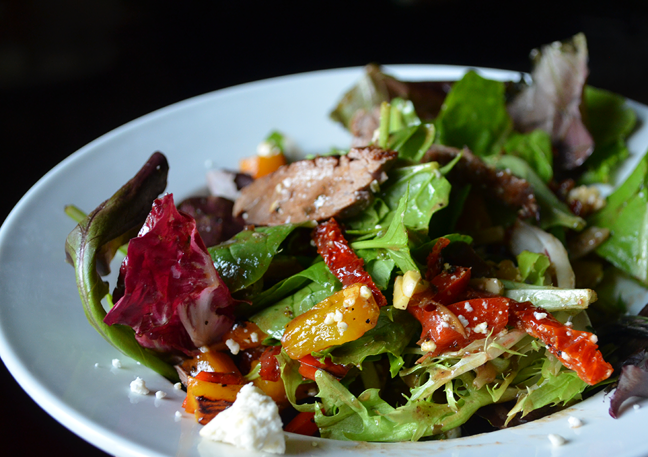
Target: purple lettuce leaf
{"x": 553, "y": 101}
{"x": 633, "y": 382}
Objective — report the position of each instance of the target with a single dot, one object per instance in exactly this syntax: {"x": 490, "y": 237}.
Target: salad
{"x": 429, "y": 282}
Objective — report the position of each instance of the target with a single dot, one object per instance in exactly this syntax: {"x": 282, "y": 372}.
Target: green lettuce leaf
{"x": 370, "y": 418}
{"x": 535, "y": 148}
{"x": 474, "y": 115}
{"x": 244, "y": 259}
{"x": 92, "y": 244}
{"x": 394, "y": 241}
{"x": 626, "y": 215}
{"x": 532, "y": 267}
{"x": 610, "y": 120}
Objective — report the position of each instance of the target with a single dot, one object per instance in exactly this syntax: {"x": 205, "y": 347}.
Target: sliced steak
{"x": 499, "y": 184}
{"x": 316, "y": 189}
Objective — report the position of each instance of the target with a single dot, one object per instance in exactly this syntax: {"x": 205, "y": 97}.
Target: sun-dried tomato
{"x": 455, "y": 326}
{"x": 341, "y": 260}
{"x": 576, "y": 349}
{"x": 270, "y": 370}
{"x": 450, "y": 285}
{"x": 434, "y": 259}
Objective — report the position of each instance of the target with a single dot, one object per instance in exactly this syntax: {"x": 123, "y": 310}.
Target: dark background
{"x": 71, "y": 70}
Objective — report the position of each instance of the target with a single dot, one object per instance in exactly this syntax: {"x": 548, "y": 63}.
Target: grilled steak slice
{"x": 499, "y": 184}
{"x": 316, "y": 189}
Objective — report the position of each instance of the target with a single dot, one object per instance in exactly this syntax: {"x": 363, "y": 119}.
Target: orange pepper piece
{"x": 258, "y": 166}
{"x": 344, "y": 316}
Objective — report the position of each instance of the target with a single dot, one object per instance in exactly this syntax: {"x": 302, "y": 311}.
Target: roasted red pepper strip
{"x": 303, "y": 424}
{"x": 309, "y": 366}
{"x": 434, "y": 259}
{"x": 577, "y": 350}
{"x": 341, "y": 260}
{"x": 270, "y": 370}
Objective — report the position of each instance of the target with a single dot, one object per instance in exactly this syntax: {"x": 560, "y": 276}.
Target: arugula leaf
{"x": 92, "y": 244}
{"x": 395, "y": 240}
{"x": 429, "y": 191}
{"x": 474, "y": 115}
{"x": 244, "y": 259}
{"x": 535, "y": 148}
{"x": 626, "y": 215}
{"x": 532, "y": 267}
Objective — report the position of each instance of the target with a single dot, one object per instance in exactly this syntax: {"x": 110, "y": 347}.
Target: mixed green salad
{"x": 469, "y": 285}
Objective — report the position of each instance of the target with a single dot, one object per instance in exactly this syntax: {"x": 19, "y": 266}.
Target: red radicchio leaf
{"x": 173, "y": 298}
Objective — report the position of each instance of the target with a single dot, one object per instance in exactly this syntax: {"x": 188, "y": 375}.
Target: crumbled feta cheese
{"x": 160, "y": 394}
{"x": 348, "y": 302}
{"x": 556, "y": 440}
{"x": 204, "y": 349}
{"x": 342, "y": 326}
{"x": 233, "y": 346}
{"x": 468, "y": 308}
{"x": 139, "y": 386}
{"x": 538, "y": 315}
{"x": 254, "y": 337}
{"x": 177, "y": 386}
{"x": 428, "y": 346}
{"x": 374, "y": 186}
{"x": 337, "y": 317}
{"x": 116, "y": 363}
{"x": 267, "y": 149}
{"x": 463, "y": 320}
{"x": 594, "y": 339}
{"x": 251, "y": 423}
{"x": 574, "y": 422}
{"x": 481, "y": 328}
{"x": 328, "y": 320}
{"x": 365, "y": 292}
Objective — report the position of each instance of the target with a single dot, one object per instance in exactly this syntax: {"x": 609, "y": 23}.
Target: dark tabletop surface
{"x": 71, "y": 70}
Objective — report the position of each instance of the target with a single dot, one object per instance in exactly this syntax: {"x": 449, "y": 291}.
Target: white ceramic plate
{"x": 51, "y": 350}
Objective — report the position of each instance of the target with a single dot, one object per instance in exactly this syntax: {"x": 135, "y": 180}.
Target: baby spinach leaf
{"x": 273, "y": 320}
{"x": 535, "y": 148}
{"x": 474, "y": 115}
{"x": 244, "y": 259}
